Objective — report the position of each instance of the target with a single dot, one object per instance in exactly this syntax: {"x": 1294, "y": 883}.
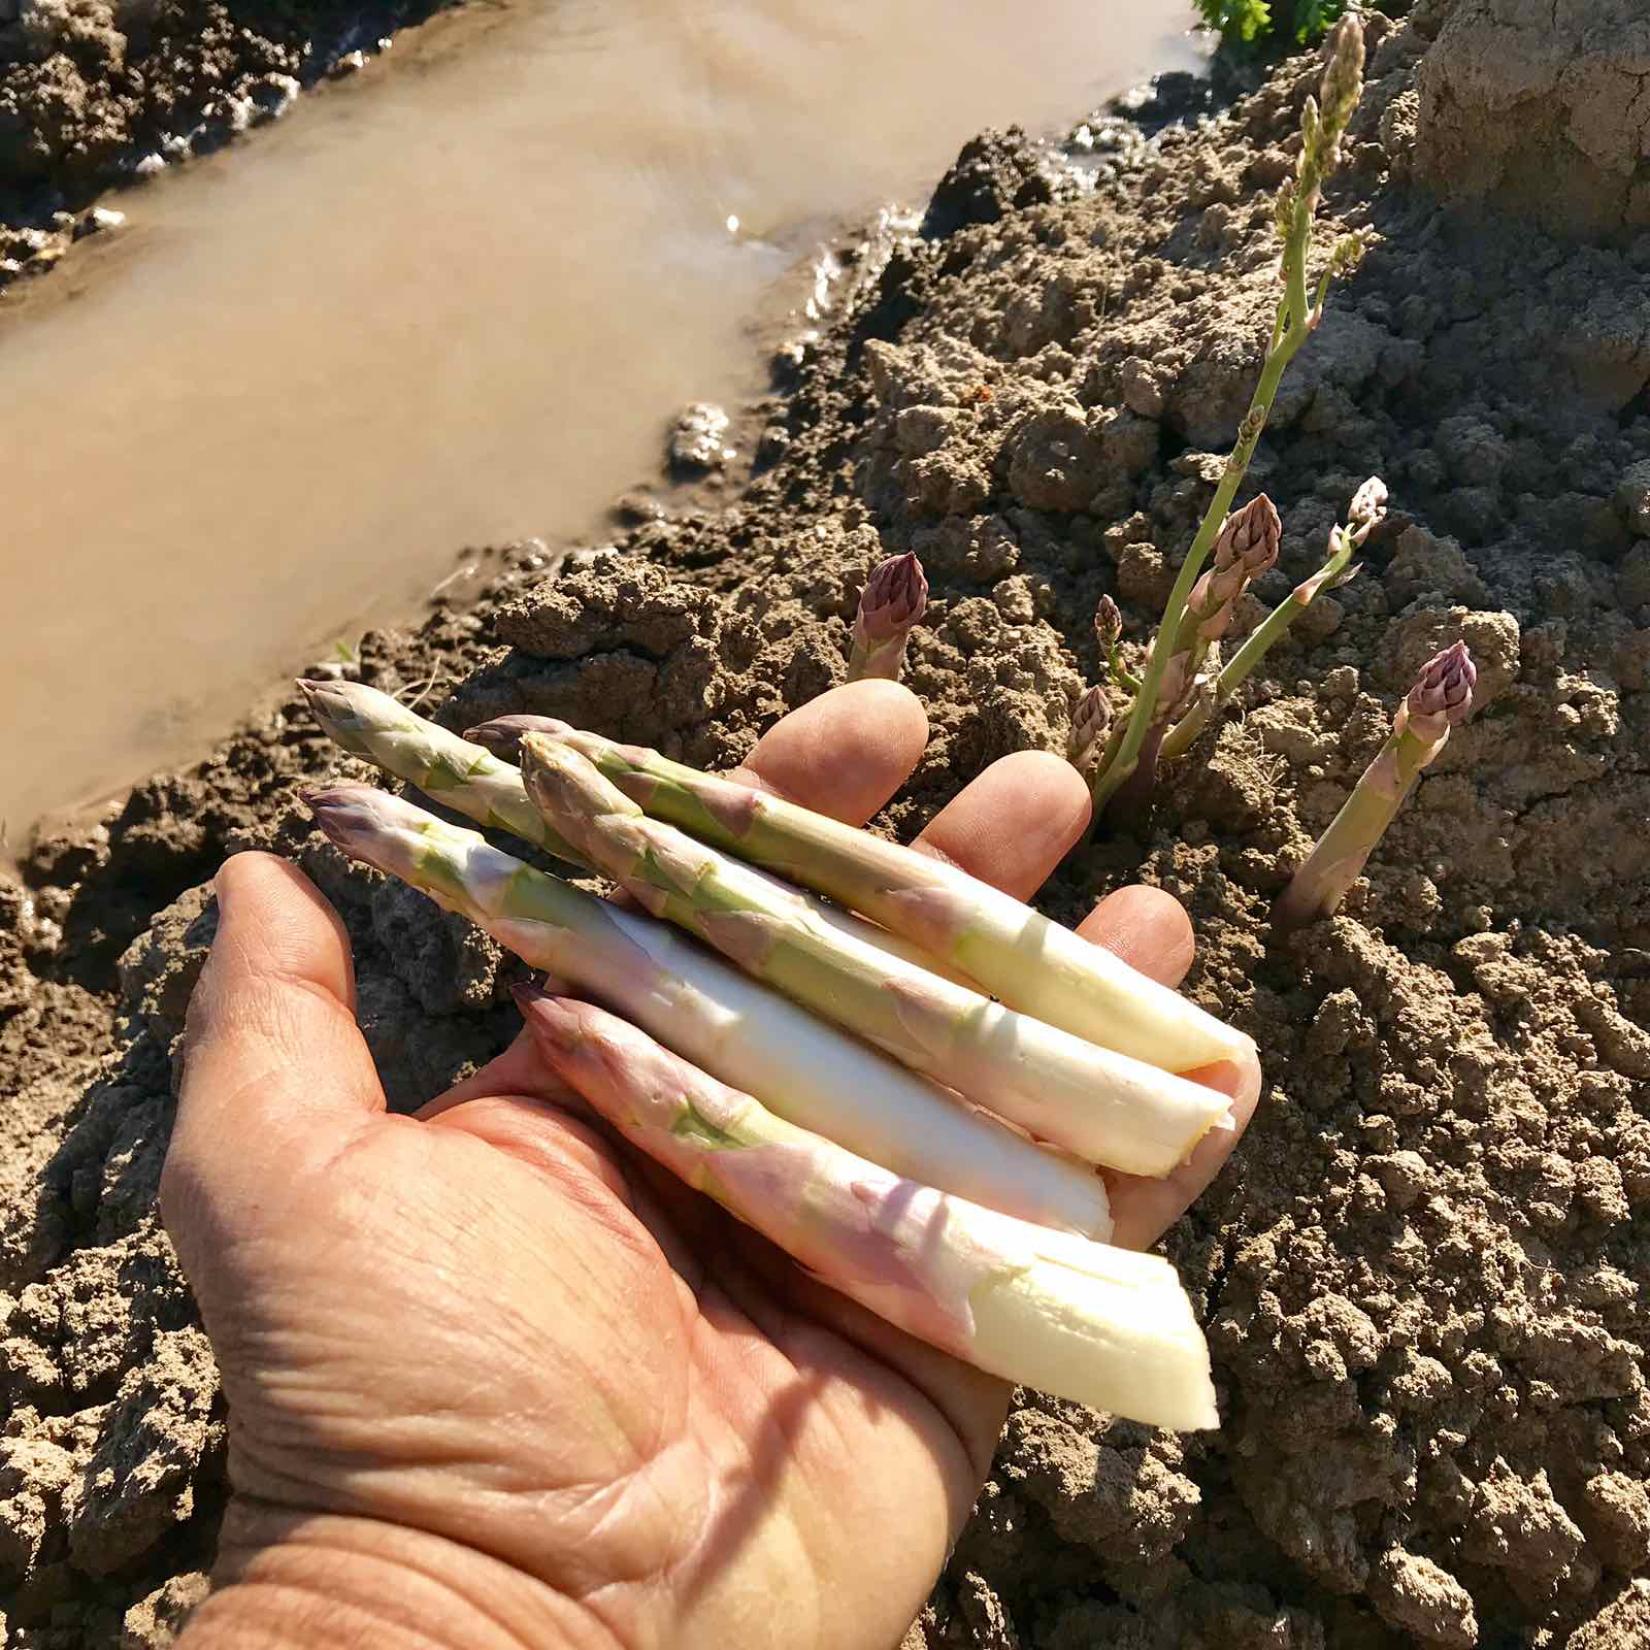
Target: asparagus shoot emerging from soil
{"x": 1090, "y": 723}
{"x": 711, "y": 1014}
{"x": 890, "y": 607}
{"x": 1367, "y": 511}
{"x": 1100, "y": 1105}
{"x": 1440, "y": 699}
{"x": 985, "y": 935}
{"x": 1082, "y": 1320}
{"x": 1322, "y": 128}
{"x": 1245, "y": 547}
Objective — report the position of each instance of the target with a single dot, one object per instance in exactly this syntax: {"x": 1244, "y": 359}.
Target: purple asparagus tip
{"x": 894, "y": 598}
{"x": 1108, "y": 624}
{"x": 1444, "y": 689}
{"x": 1090, "y": 723}
{"x": 502, "y": 735}
{"x": 1250, "y": 537}
{"x": 351, "y": 816}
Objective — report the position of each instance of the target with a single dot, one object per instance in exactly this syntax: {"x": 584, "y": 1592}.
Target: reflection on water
{"x": 448, "y": 302}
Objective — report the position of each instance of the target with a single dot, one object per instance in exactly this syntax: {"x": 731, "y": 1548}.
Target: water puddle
{"x": 451, "y": 301}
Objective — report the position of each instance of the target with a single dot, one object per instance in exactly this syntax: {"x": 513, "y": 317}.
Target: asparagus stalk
{"x": 1101, "y": 1105}
{"x": 464, "y": 776}
{"x": 890, "y": 606}
{"x": 1440, "y": 699}
{"x": 473, "y": 781}
{"x": 711, "y": 1014}
{"x": 1026, "y": 961}
{"x": 1297, "y": 315}
{"x": 1082, "y": 1320}
{"x": 1367, "y": 511}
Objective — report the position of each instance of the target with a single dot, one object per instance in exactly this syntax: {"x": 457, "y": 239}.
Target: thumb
{"x": 275, "y": 1069}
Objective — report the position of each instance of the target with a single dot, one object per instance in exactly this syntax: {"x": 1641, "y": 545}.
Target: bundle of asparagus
{"x": 866, "y": 1146}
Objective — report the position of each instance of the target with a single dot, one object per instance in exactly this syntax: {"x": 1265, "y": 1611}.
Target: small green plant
{"x": 1173, "y": 685}
{"x": 1252, "y": 22}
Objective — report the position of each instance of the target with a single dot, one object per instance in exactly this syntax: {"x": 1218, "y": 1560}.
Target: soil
{"x": 1423, "y": 1273}
{"x": 96, "y": 92}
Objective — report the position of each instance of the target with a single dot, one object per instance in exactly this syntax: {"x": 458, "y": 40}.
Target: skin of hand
{"x": 496, "y": 1382}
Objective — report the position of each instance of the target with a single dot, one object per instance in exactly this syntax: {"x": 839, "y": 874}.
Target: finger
{"x": 1147, "y": 928}
{"x": 518, "y": 1071}
{"x": 272, "y": 1053}
{"x": 1143, "y": 1210}
{"x": 844, "y": 753}
{"x": 1013, "y": 824}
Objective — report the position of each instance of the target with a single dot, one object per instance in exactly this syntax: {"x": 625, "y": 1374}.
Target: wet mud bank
{"x": 1423, "y": 1273}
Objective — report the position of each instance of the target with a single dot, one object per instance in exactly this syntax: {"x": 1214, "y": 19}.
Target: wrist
{"x": 322, "y": 1582}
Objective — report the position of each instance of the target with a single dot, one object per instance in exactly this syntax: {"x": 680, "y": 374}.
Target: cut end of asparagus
{"x": 1079, "y": 1319}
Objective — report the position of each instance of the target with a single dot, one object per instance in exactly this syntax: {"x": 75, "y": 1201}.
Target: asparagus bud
{"x": 1343, "y": 81}
{"x": 1246, "y": 547}
{"x": 1108, "y": 625}
{"x": 1090, "y": 723}
{"x": 1085, "y": 1321}
{"x": 1442, "y": 696}
{"x": 1440, "y": 700}
{"x": 890, "y": 607}
{"x": 1367, "y": 509}
{"x": 750, "y": 1037}
{"x": 1100, "y": 1105}
{"x": 1366, "y": 512}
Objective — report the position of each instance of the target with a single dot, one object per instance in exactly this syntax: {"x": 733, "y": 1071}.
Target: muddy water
{"x": 451, "y": 301}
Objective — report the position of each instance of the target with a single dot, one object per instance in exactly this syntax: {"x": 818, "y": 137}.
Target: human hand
{"x": 496, "y": 1381}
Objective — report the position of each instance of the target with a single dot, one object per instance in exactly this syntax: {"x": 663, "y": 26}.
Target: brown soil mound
{"x": 1423, "y": 1272}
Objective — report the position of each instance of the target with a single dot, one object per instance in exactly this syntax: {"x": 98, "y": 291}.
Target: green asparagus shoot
{"x": 890, "y": 607}
{"x": 1440, "y": 700}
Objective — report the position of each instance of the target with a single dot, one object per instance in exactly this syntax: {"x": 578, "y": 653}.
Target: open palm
{"x": 495, "y": 1380}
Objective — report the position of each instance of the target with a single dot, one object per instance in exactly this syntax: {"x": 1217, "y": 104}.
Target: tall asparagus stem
{"x": 1100, "y": 1105}
{"x": 1297, "y": 315}
{"x": 1367, "y": 511}
{"x": 1440, "y": 699}
{"x": 738, "y": 1031}
{"x": 890, "y": 606}
{"x": 985, "y": 935}
{"x": 1082, "y": 1320}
